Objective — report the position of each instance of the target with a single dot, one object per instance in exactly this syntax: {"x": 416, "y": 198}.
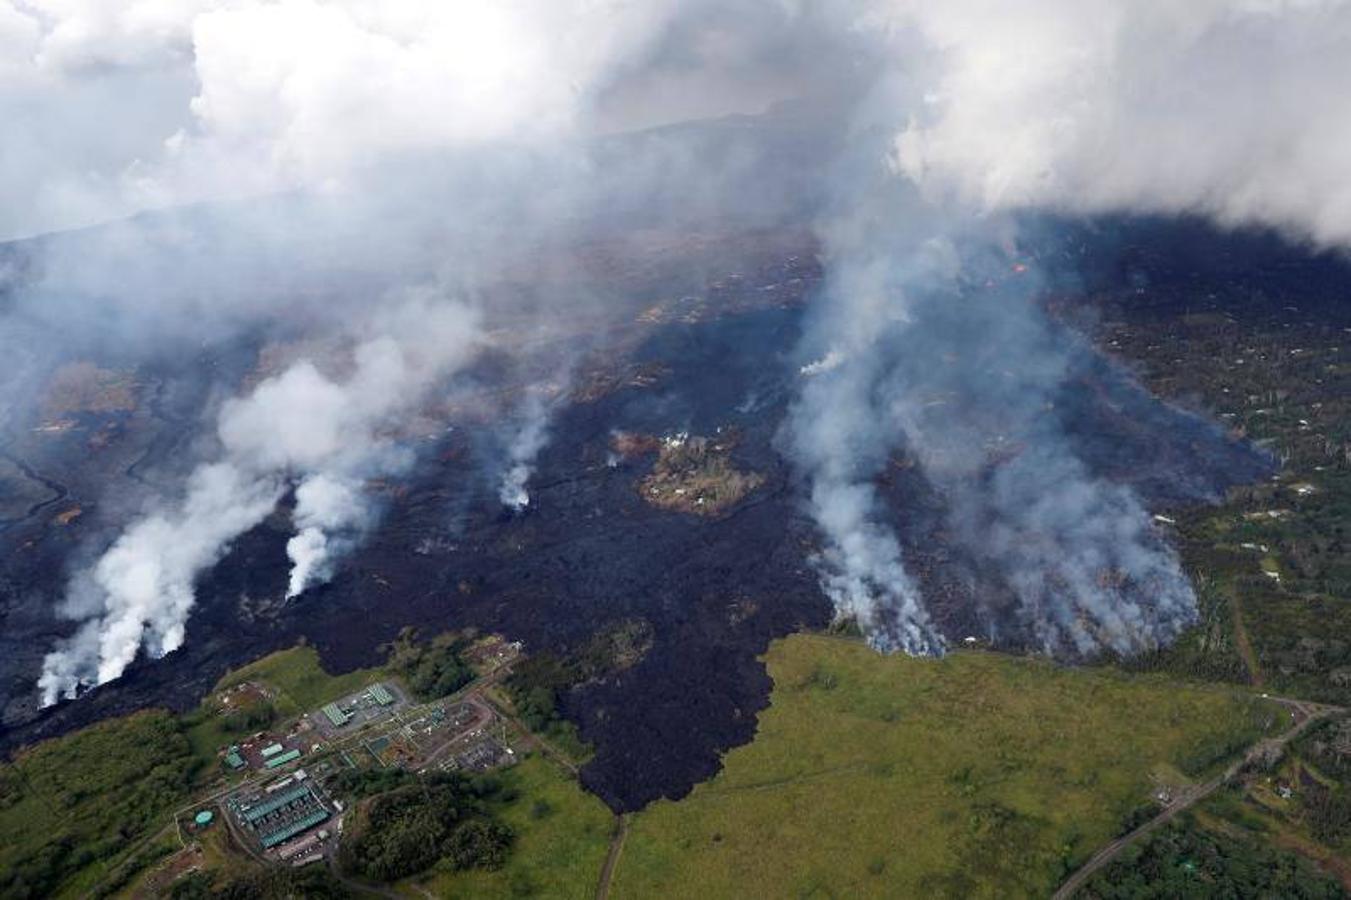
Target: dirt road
{"x": 607, "y": 872}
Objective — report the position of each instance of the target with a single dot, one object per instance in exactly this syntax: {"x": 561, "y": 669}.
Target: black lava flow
{"x": 589, "y": 553}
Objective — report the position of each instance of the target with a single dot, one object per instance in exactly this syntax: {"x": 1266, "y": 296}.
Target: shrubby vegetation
{"x": 359, "y": 783}
{"x": 1273, "y": 562}
{"x": 80, "y": 801}
{"x": 1329, "y": 811}
{"x": 562, "y": 835}
{"x": 1185, "y": 860}
{"x": 1327, "y": 747}
{"x": 536, "y": 686}
{"x": 443, "y": 818}
{"x": 1137, "y": 817}
{"x": 432, "y": 669}
{"x": 539, "y": 682}
{"x": 311, "y": 883}
{"x": 250, "y": 718}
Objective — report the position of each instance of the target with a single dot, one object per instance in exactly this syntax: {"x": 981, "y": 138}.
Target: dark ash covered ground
{"x": 589, "y": 552}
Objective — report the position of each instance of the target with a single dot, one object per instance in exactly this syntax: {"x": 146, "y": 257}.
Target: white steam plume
{"x": 143, "y": 584}
{"x": 299, "y": 424}
{"x": 529, "y": 439}
{"x": 1229, "y": 108}
{"x": 325, "y": 506}
{"x": 842, "y": 440}
{"x": 1235, "y": 109}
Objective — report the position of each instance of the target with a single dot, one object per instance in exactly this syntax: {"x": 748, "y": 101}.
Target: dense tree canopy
{"x": 409, "y": 829}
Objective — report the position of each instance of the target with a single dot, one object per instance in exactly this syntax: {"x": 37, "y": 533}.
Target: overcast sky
{"x": 1235, "y": 108}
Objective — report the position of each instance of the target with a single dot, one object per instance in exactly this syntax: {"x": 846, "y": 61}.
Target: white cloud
{"x": 252, "y": 96}
{"x": 1235, "y": 109}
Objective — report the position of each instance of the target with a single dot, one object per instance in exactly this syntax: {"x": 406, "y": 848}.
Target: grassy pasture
{"x": 977, "y": 775}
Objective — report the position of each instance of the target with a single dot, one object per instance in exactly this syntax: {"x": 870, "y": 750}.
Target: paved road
{"x": 483, "y": 715}
{"x": 1304, "y": 714}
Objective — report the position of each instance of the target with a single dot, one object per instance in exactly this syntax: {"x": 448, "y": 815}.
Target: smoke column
{"x": 841, "y": 435}
{"x": 142, "y": 587}
{"x": 301, "y": 425}
{"x": 924, "y": 345}
{"x": 529, "y": 439}
{"x": 921, "y": 343}
{"x": 325, "y": 506}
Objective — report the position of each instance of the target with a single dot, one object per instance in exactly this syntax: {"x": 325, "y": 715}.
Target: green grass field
{"x": 72, "y": 808}
{"x": 301, "y": 685}
{"x": 976, "y": 775}
{"x": 300, "y": 679}
{"x": 973, "y": 776}
{"x": 562, "y": 836}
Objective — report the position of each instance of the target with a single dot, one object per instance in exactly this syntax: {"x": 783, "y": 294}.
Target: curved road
{"x": 1305, "y": 714}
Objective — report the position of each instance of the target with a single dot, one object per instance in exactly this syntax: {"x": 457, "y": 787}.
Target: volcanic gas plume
{"x": 299, "y": 426}
{"x": 386, "y": 180}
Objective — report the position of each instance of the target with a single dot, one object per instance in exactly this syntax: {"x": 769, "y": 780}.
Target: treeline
{"x": 433, "y": 668}
{"x": 539, "y": 682}
{"x": 356, "y": 784}
{"x": 1329, "y": 812}
{"x": 1185, "y": 860}
{"x": 443, "y": 819}
{"x": 311, "y": 883}
{"x": 1327, "y": 746}
{"x": 249, "y": 718}
{"x": 83, "y": 799}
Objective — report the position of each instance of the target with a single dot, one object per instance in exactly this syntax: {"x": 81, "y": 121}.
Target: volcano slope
{"x": 590, "y": 554}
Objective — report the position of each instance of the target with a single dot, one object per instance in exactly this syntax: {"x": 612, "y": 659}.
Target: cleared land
{"x": 300, "y": 679}
{"x": 695, "y": 475}
{"x": 976, "y": 775}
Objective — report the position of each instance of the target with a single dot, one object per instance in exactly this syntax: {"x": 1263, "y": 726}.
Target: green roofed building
{"x": 381, "y": 695}
{"x": 271, "y": 750}
{"x": 336, "y": 715}
{"x": 282, "y": 759}
{"x": 273, "y": 838}
{"x": 234, "y": 760}
{"x": 272, "y": 804}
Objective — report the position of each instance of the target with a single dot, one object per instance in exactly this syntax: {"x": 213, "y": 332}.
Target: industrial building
{"x": 368, "y": 705}
{"x": 336, "y": 715}
{"x": 282, "y": 758}
{"x": 276, "y": 818}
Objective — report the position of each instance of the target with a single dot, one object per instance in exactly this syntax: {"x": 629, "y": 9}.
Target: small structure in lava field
{"x": 692, "y": 474}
